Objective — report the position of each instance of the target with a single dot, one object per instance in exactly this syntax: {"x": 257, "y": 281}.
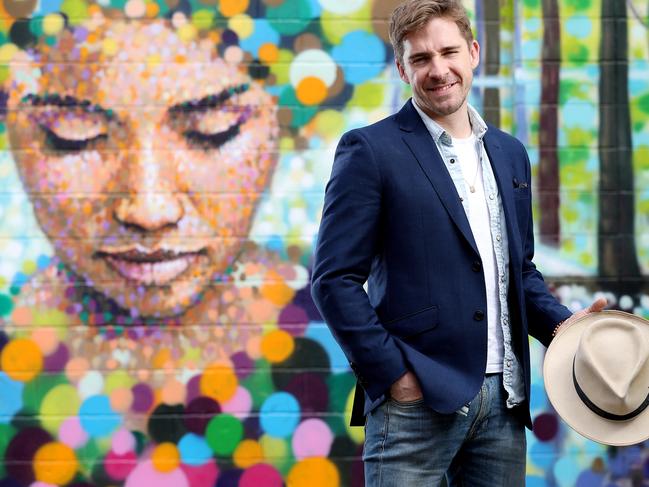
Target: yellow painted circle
{"x": 53, "y": 24}
{"x": 187, "y": 32}
{"x": 59, "y": 403}
{"x": 7, "y": 52}
{"x": 242, "y": 24}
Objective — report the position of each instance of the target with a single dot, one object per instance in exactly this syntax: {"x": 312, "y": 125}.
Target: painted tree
{"x": 548, "y": 176}
{"x": 491, "y": 95}
{"x": 618, "y": 263}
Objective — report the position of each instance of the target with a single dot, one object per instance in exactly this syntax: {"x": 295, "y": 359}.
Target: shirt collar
{"x": 478, "y": 125}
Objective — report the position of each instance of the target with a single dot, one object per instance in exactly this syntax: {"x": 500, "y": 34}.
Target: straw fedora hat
{"x": 596, "y": 374}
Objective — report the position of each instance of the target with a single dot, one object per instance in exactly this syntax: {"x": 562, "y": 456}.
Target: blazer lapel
{"x": 422, "y": 146}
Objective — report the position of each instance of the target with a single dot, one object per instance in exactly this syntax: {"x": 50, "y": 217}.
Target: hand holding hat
{"x": 598, "y": 305}
{"x": 596, "y": 374}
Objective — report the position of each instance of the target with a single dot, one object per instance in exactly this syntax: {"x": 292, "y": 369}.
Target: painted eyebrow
{"x": 55, "y": 100}
{"x": 208, "y": 102}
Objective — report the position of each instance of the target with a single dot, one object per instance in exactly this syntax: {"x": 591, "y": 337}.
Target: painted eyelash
{"x": 69, "y": 145}
{"x": 213, "y": 141}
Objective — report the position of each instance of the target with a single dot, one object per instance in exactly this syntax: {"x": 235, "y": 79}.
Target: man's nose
{"x": 437, "y": 68}
{"x": 151, "y": 201}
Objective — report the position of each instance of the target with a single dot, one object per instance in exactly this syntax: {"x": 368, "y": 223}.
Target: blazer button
{"x": 478, "y": 315}
{"x": 477, "y": 266}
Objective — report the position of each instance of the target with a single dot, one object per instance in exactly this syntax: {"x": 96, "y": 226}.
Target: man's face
{"x": 438, "y": 64}
{"x": 144, "y": 157}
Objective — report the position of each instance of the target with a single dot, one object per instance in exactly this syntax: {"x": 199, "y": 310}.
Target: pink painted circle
{"x": 261, "y": 474}
{"x": 312, "y": 438}
{"x": 72, "y": 433}
{"x": 118, "y": 467}
{"x": 123, "y": 442}
{"x": 240, "y": 404}
{"x": 146, "y": 474}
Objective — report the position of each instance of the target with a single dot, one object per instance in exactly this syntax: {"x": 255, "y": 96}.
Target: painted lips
{"x": 150, "y": 268}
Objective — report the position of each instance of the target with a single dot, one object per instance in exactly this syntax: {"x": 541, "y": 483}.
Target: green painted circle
{"x": 6, "y": 305}
{"x": 223, "y": 434}
{"x": 298, "y": 12}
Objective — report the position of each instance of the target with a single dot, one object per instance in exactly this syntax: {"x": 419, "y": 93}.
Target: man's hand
{"x": 406, "y": 389}
{"x": 598, "y": 305}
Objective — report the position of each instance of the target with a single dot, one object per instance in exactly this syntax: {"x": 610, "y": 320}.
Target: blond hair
{"x": 412, "y": 15}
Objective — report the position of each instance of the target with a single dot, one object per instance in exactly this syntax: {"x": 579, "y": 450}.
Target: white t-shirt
{"x": 478, "y": 215}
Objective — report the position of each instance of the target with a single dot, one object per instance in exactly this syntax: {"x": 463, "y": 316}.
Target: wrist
{"x": 556, "y": 328}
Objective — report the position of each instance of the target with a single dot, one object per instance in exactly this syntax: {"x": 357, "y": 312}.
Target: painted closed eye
{"x": 215, "y": 128}
{"x": 213, "y": 141}
{"x": 62, "y": 144}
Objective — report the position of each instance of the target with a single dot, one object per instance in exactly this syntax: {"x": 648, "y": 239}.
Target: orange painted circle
{"x": 21, "y": 359}
{"x": 76, "y": 368}
{"x": 277, "y": 346}
{"x": 165, "y": 457}
{"x": 219, "y": 382}
{"x": 55, "y": 463}
{"x": 268, "y": 53}
{"x": 233, "y": 7}
{"x": 311, "y": 91}
{"x": 247, "y": 454}
{"x": 314, "y": 472}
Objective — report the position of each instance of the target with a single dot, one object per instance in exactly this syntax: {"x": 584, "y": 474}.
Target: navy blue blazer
{"x": 393, "y": 217}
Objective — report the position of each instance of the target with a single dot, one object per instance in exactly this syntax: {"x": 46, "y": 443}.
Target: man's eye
{"x": 212, "y": 141}
{"x": 62, "y": 144}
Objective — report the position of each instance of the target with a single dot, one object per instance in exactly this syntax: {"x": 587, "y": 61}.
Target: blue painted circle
{"x": 194, "y": 450}
{"x": 280, "y": 414}
{"x": 263, "y": 33}
{"x": 97, "y": 417}
{"x": 12, "y": 397}
{"x": 542, "y": 454}
{"x": 361, "y": 56}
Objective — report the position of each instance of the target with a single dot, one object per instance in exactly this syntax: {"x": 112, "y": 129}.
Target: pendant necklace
{"x": 475, "y": 178}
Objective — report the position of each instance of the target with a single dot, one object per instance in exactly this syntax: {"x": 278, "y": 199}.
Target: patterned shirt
{"x": 512, "y": 371}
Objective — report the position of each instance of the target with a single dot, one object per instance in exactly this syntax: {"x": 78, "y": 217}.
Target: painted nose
{"x": 151, "y": 203}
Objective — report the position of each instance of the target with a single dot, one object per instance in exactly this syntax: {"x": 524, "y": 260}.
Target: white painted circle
{"x": 313, "y": 62}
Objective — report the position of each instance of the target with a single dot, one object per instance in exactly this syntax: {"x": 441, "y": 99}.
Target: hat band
{"x": 599, "y": 411}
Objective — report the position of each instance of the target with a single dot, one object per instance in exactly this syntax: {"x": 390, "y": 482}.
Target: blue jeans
{"x": 408, "y": 444}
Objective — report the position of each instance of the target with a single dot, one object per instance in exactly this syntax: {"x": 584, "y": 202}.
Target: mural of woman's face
{"x": 144, "y": 156}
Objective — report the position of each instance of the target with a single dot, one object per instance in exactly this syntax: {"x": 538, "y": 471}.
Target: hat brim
{"x": 559, "y": 386}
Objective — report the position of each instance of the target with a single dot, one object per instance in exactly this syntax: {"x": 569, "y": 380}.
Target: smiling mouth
{"x": 150, "y": 267}
{"x": 443, "y": 88}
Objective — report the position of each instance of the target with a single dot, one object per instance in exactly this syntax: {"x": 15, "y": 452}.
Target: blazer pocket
{"x": 522, "y": 192}
{"x": 413, "y": 324}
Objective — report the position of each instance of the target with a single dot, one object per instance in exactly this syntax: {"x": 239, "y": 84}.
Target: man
{"x": 433, "y": 209}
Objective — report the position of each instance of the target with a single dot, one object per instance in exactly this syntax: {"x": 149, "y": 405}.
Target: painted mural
{"x": 162, "y": 169}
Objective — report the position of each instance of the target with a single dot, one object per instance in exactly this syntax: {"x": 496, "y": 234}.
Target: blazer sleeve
{"x": 348, "y": 241}
{"x": 544, "y": 311}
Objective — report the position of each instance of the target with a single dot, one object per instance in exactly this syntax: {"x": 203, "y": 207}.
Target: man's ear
{"x": 474, "y": 52}
{"x": 402, "y": 72}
